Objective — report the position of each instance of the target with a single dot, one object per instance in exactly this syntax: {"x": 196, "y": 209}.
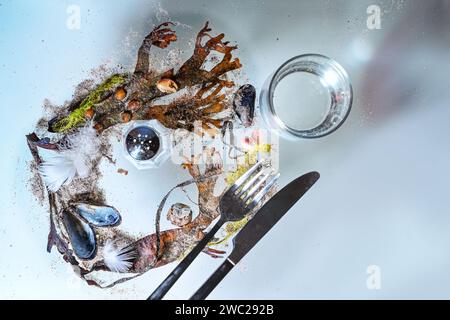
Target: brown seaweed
{"x": 124, "y": 97}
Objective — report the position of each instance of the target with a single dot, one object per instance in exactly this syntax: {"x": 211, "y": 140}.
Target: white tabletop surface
{"x": 382, "y": 199}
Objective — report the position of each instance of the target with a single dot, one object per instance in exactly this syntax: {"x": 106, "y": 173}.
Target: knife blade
{"x": 269, "y": 214}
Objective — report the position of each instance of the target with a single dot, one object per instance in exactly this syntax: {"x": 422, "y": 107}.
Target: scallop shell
{"x": 179, "y": 214}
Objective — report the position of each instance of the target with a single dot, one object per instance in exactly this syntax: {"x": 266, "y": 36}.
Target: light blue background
{"x": 383, "y": 196}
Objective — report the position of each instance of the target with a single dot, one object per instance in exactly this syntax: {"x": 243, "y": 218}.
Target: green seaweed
{"x": 250, "y": 158}
{"x": 77, "y": 116}
{"x": 230, "y": 228}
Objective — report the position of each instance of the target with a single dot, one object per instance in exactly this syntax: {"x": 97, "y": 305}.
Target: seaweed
{"x": 78, "y": 116}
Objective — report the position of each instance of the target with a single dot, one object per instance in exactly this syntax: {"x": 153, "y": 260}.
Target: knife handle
{"x": 213, "y": 281}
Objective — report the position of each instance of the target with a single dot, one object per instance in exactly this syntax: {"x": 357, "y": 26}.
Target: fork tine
{"x": 249, "y": 183}
{"x": 256, "y": 186}
{"x": 262, "y": 192}
{"x": 246, "y": 175}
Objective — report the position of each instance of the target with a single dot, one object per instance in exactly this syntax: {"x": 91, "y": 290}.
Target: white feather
{"x": 75, "y": 157}
{"x": 56, "y": 171}
{"x": 117, "y": 259}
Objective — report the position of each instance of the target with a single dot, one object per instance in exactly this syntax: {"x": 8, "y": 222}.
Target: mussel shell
{"x": 244, "y": 104}
{"x": 98, "y": 216}
{"x": 81, "y": 235}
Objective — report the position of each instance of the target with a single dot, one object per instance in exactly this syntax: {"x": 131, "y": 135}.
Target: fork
{"x": 240, "y": 199}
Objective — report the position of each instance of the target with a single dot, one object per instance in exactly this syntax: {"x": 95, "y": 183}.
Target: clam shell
{"x": 98, "y": 216}
{"x": 167, "y": 86}
{"x": 81, "y": 235}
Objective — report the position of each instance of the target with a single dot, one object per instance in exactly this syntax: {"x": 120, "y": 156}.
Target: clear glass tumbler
{"x": 325, "y": 75}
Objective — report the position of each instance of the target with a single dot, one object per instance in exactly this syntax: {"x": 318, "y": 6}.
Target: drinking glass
{"x": 327, "y": 89}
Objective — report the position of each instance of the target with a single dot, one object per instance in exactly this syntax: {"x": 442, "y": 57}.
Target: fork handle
{"x": 165, "y": 286}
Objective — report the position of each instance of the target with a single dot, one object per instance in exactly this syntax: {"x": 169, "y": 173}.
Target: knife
{"x": 269, "y": 214}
